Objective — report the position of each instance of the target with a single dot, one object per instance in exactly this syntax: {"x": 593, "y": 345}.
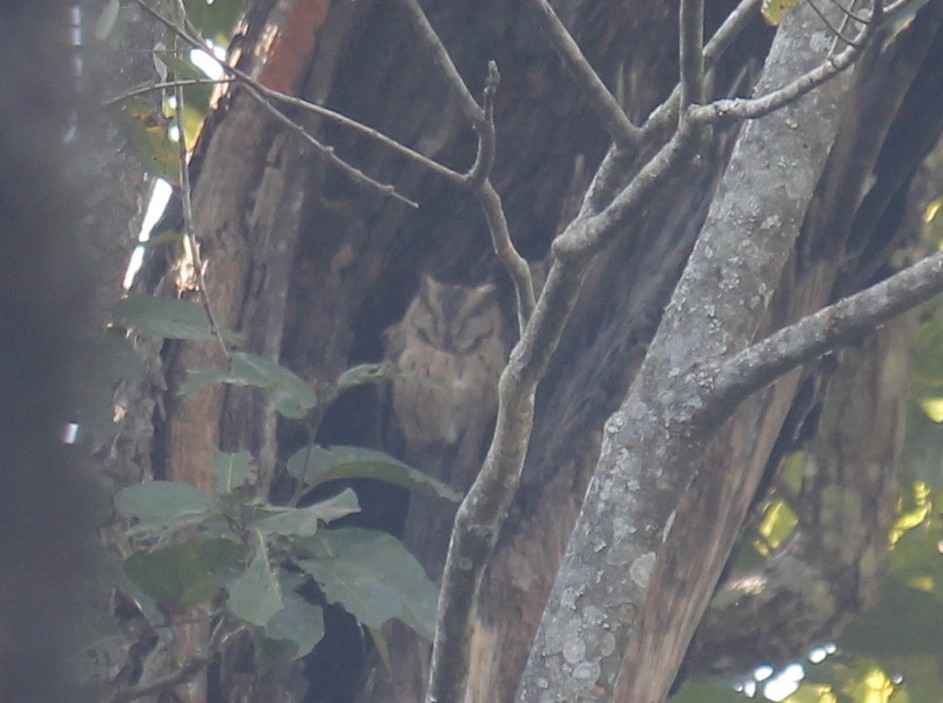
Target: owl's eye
{"x": 423, "y": 336}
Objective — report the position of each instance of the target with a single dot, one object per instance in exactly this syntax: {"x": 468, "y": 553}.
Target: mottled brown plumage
{"x": 449, "y": 349}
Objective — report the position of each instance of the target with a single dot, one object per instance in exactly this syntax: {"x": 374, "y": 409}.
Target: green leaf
{"x": 365, "y": 373}
{"x": 169, "y": 318}
{"x": 775, "y": 11}
{"x": 314, "y": 465}
{"x": 147, "y": 132}
{"x": 163, "y": 506}
{"x": 293, "y": 397}
{"x": 256, "y": 595}
{"x": 304, "y": 522}
{"x": 299, "y": 622}
{"x": 373, "y": 576}
{"x": 232, "y": 471}
{"x": 182, "y": 575}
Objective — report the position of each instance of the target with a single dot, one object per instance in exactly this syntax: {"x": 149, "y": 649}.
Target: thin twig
{"x": 354, "y": 173}
{"x": 513, "y": 262}
{"x": 751, "y": 108}
{"x": 185, "y": 673}
{"x": 666, "y": 113}
{"x": 484, "y": 159}
{"x": 477, "y": 178}
{"x": 836, "y": 32}
{"x": 188, "y": 226}
{"x": 849, "y": 12}
{"x": 427, "y": 35}
{"x": 328, "y": 152}
{"x": 166, "y": 85}
{"x": 181, "y": 675}
{"x": 586, "y": 235}
{"x": 345, "y": 121}
{"x": 691, "y": 53}
{"x": 623, "y": 133}
{"x": 845, "y": 321}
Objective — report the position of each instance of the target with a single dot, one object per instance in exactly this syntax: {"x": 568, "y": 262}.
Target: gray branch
{"x": 651, "y": 448}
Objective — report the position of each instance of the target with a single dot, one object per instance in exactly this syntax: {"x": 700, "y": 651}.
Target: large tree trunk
{"x": 312, "y": 268}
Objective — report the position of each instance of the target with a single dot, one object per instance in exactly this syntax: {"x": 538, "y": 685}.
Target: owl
{"x": 449, "y": 349}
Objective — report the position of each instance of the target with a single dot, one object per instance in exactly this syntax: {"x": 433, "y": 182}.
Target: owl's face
{"x": 454, "y": 318}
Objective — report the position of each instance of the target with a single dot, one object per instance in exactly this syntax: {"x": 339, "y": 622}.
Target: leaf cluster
{"x": 253, "y": 560}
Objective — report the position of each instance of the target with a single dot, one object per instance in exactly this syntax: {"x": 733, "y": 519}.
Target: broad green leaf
{"x": 314, "y": 465}
{"x": 293, "y": 397}
{"x": 304, "y": 522}
{"x": 169, "y": 318}
{"x": 256, "y": 595}
{"x": 299, "y": 622}
{"x": 365, "y": 373}
{"x": 161, "y": 506}
{"x": 232, "y": 471}
{"x": 775, "y": 11}
{"x": 182, "y": 575}
{"x": 373, "y": 576}
{"x": 148, "y": 134}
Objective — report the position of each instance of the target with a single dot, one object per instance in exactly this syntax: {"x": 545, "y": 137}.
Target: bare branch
{"x": 166, "y": 85}
{"x": 484, "y": 159}
{"x": 221, "y": 633}
{"x": 736, "y": 21}
{"x": 838, "y": 32}
{"x": 729, "y": 30}
{"x": 427, "y": 35}
{"x": 743, "y": 109}
{"x": 651, "y": 449}
{"x": 624, "y": 134}
{"x": 844, "y": 322}
{"x": 328, "y": 152}
{"x": 849, "y": 12}
{"x": 354, "y": 173}
{"x": 691, "y": 54}
{"x": 477, "y": 178}
{"x": 175, "y": 678}
{"x": 501, "y": 241}
{"x": 319, "y": 110}
{"x": 190, "y": 239}
{"x": 345, "y": 121}
{"x": 485, "y": 505}
{"x": 588, "y": 235}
